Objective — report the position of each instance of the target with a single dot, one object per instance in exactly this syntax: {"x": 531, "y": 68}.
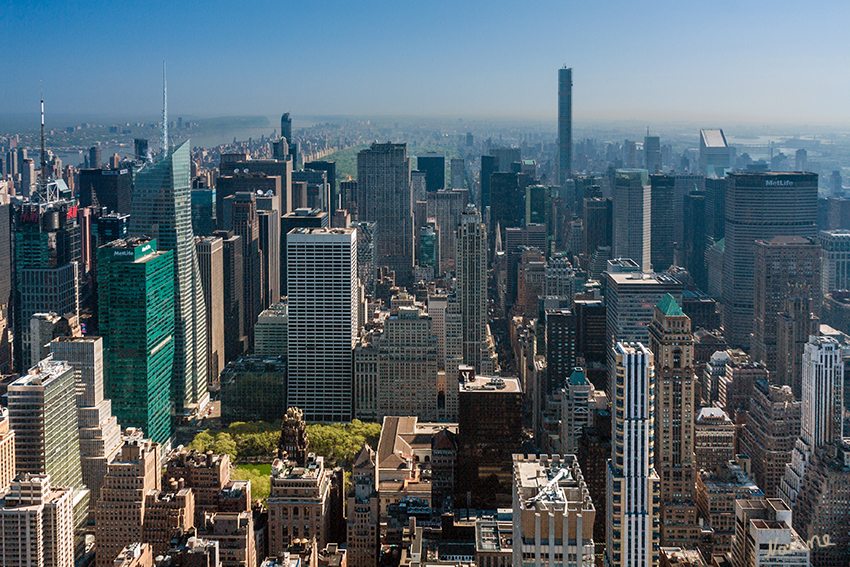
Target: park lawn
{"x": 259, "y": 477}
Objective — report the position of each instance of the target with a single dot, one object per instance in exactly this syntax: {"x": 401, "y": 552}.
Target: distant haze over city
{"x": 711, "y": 62}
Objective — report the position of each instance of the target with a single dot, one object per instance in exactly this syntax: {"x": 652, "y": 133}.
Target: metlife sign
{"x": 778, "y": 183}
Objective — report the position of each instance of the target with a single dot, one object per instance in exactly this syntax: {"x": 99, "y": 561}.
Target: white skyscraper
{"x": 323, "y": 320}
{"x": 633, "y": 489}
{"x": 822, "y": 417}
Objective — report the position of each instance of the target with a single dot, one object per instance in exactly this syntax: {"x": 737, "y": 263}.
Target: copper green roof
{"x": 669, "y": 307}
{"x": 577, "y": 377}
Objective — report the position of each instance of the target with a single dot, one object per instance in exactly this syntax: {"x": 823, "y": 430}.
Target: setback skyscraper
{"x": 162, "y": 210}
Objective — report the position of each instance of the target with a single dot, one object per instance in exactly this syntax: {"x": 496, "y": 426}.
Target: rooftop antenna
{"x": 43, "y": 153}
{"x": 164, "y": 111}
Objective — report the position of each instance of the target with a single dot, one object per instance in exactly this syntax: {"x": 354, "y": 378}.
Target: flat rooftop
{"x": 491, "y": 384}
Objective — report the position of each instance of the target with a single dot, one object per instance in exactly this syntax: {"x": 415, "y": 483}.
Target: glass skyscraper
{"x": 162, "y": 209}
{"x": 136, "y": 309}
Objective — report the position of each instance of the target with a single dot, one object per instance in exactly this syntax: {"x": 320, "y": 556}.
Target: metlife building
{"x": 760, "y": 206}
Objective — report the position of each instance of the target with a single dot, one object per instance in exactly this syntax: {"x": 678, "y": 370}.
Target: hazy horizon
{"x": 762, "y": 62}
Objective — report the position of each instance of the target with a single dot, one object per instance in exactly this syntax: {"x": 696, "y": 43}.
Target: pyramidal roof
{"x": 669, "y": 307}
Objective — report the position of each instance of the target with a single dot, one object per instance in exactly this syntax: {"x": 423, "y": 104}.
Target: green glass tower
{"x": 162, "y": 209}
{"x": 136, "y": 295}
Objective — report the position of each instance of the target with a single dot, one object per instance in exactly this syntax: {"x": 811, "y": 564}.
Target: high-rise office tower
{"x": 203, "y": 211}
{"x": 785, "y": 267}
{"x": 211, "y": 265}
{"x": 759, "y": 206}
{"x": 714, "y": 153}
{"x": 383, "y": 196}
{"x": 318, "y": 190}
{"x": 7, "y": 452}
{"x": 271, "y": 188}
{"x": 162, "y": 210}
{"x": 472, "y": 292}
{"x": 245, "y": 223}
{"x": 795, "y": 323}
{"x": 632, "y": 216}
{"x": 43, "y": 414}
{"x": 835, "y": 260}
{"x": 109, "y": 188}
{"x": 100, "y": 434}
{"x": 434, "y": 166}
{"x": 269, "y": 222}
{"x": 506, "y": 157}
{"x": 323, "y": 321}
{"x": 672, "y": 345}
{"x": 47, "y": 255}
{"x": 37, "y": 523}
{"x": 364, "y": 545}
{"x": 565, "y": 124}
{"x": 121, "y": 507}
{"x": 95, "y": 157}
{"x": 663, "y": 212}
{"x": 446, "y": 207}
{"x": 772, "y": 428}
{"x": 489, "y": 166}
{"x": 715, "y": 207}
{"x": 286, "y": 127}
{"x": 507, "y": 201}
{"x": 633, "y": 527}
{"x": 458, "y": 173}
{"x": 695, "y": 238}
{"x": 817, "y": 482}
{"x": 822, "y": 419}
{"x": 136, "y": 297}
{"x": 597, "y": 223}
{"x": 272, "y": 330}
{"x": 235, "y": 339}
{"x": 302, "y": 217}
{"x": 631, "y": 298}
{"x": 367, "y": 269}
{"x": 141, "y": 149}
{"x": 406, "y": 354}
{"x": 329, "y": 168}
{"x": 6, "y": 290}
{"x": 652, "y": 153}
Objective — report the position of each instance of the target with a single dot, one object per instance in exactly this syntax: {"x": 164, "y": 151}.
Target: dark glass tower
{"x": 565, "y": 124}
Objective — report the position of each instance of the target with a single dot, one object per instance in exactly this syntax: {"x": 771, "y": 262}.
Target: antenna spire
{"x": 164, "y": 111}
{"x": 43, "y": 153}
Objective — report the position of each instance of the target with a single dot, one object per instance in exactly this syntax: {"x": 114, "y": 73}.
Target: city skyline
{"x": 712, "y": 63}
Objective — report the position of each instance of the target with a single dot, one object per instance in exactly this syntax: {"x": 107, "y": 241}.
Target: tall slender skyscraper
{"x": 673, "y": 351}
{"x": 565, "y": 124}
{"x": 759, "y": 206}
{"x": 323, "y": 321}
{"x": 633, "y": 488}
{"x": 211, "y": 262}
{"x": 384, "y": 196}
{"x": 162, "y": 209}
{"x": 472, "y": 291}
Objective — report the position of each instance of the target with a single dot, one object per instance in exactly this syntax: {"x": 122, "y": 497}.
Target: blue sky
{"x": 712, "y": 60}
